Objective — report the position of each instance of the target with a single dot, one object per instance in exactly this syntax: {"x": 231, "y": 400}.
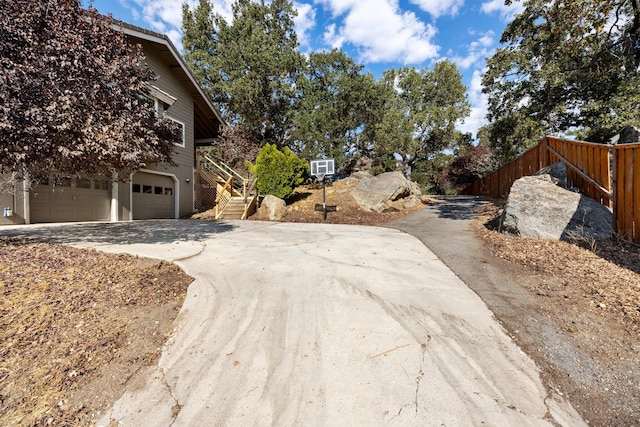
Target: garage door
{"x": 153, "y": 196}
{"x": 67, "y": 199}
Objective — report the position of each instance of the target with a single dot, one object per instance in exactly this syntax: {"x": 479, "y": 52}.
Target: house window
{"x": 101, "y": 184}
{"x": 152, "y": 102}
{"x": 62, "y": 181}
{"x": 83, "y": 183}
{"x": 182, "y": 131}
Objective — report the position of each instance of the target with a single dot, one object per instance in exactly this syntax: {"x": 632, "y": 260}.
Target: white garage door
{"x": 153, "y": 196}
{"x": 68, "y": 199}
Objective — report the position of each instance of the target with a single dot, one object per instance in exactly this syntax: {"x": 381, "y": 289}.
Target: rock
{"x": 272, "y": 209}
{"x": 556, "y": 173}
{"x": 537, "y": 208}
{"x": 404, "y": 204}
{"x": 364, "y": 164}
{"x": 379, "y": 193}
{"x": 629, "y": 135}
{"x": 361, "y": 175}
{"x": 350, "y": 180}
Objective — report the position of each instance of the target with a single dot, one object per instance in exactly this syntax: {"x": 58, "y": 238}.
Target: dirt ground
{"x": 77, "y": 325}
{"x": 306, "y": 206}
{"x": 591, "y": 289}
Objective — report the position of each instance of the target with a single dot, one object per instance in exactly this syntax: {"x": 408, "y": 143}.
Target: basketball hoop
{"x": 320, "y": 169}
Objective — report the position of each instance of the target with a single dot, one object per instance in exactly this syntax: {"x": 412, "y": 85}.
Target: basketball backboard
{"x": 322, "y": 167}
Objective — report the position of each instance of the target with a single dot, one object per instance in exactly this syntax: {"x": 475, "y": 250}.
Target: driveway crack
{"x": 548, "y": 416}
{"x": 416, "y": 401}
{"x": 176, "y": 407}
{"x": 202, "y": 249}
{"x": 423, "y": 348}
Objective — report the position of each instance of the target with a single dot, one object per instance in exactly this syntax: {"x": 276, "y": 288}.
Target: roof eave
{"x": 154, "y": 37}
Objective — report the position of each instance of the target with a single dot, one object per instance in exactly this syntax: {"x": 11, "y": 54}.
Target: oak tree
{"x": 569, "y": 66}
{"x": 420, "y": 119}
{"x": 337, "y": 101}
{"x": 249, "y": 65}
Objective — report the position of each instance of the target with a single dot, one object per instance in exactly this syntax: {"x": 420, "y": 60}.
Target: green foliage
{"x": 427, "y": 172}
{"x": 511, "y": 136}
{"x": 336, "y": 102}
{"x": 249, "y": 66}
{"x": 277, "y": 172}
{"x": 421, "y": 114}
{"x": 567, "y": 66}
{"x": 326, "y": 106}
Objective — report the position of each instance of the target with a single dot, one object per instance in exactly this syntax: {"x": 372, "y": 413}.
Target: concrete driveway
{"x": 319, "y": 325}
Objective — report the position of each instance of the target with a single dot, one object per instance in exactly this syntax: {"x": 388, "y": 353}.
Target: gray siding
{"x": 170, "y": 79}
{"x": 183, "y": 111}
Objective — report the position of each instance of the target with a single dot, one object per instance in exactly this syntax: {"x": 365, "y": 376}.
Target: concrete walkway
{"x": 319, "y": 325}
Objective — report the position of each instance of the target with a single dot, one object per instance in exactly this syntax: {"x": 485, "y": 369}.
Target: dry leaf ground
{"x": 592, "y": 290}
{"x": 75, "y": 326}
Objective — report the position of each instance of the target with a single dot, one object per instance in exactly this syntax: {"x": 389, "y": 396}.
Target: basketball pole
{"x": 324, "y": 198}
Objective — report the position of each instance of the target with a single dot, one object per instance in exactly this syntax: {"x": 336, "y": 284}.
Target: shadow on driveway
{"x": 456, "y": 207}
{"x": 135, "y": 232}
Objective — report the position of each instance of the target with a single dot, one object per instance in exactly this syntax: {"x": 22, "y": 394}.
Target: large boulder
{"x": 537, "y": 208}
{"x": 384, "y": 192}
{"x": 556, "y": 173}
{"x": 629, "y": 135}
{"x": 361, "y": 175}
{"x": 272, "y": 208}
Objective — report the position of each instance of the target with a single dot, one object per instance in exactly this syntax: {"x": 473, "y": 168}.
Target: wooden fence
{"x": 588, "y": 166}
{"x": 497, "y": 184}
{"x": 605, "y": 173}
{"x": 626, "y": 191}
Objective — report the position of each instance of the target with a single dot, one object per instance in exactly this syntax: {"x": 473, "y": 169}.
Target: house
{"x": 158, "y": 191}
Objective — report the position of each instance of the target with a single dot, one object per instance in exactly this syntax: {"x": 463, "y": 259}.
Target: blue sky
{"x": 380, "y": 34}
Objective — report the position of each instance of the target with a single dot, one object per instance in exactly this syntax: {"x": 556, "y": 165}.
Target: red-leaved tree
{"x": 70, "y": 93}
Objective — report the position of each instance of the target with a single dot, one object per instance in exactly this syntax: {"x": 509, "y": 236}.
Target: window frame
{"x": 184, "y": 129}
{"x": 156, "y": 102}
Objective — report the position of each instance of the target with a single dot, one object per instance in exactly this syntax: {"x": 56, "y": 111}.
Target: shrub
{"x": 278, "y": 173}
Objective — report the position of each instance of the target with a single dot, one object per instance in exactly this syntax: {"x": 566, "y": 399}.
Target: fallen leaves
{"x": 67, "y": 313}
{"x": 610, "y": 277}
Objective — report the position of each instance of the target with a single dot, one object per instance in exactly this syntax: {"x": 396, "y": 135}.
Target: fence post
{"x": 613, "y": 161}
{"x": 545, "y": 154}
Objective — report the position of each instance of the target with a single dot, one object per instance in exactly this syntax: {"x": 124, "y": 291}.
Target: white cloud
{"x": 162, "y": 14}
{"x": 477, "y": 51}
{"x": 506, "y": 12}
{"x": 304, "y": 22}
{"x": 332, "y": 38}
{"x": 380, "y": 32}
{"x": 337, "y": 7}
{"x": 437, "y": 8}
{"x": 165, "y": 16}
{"x": 479, "y": 106}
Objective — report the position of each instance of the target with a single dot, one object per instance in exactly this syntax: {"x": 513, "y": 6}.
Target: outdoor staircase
{"x": 235, "y": 195}
{"x": 234, "y": 209}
